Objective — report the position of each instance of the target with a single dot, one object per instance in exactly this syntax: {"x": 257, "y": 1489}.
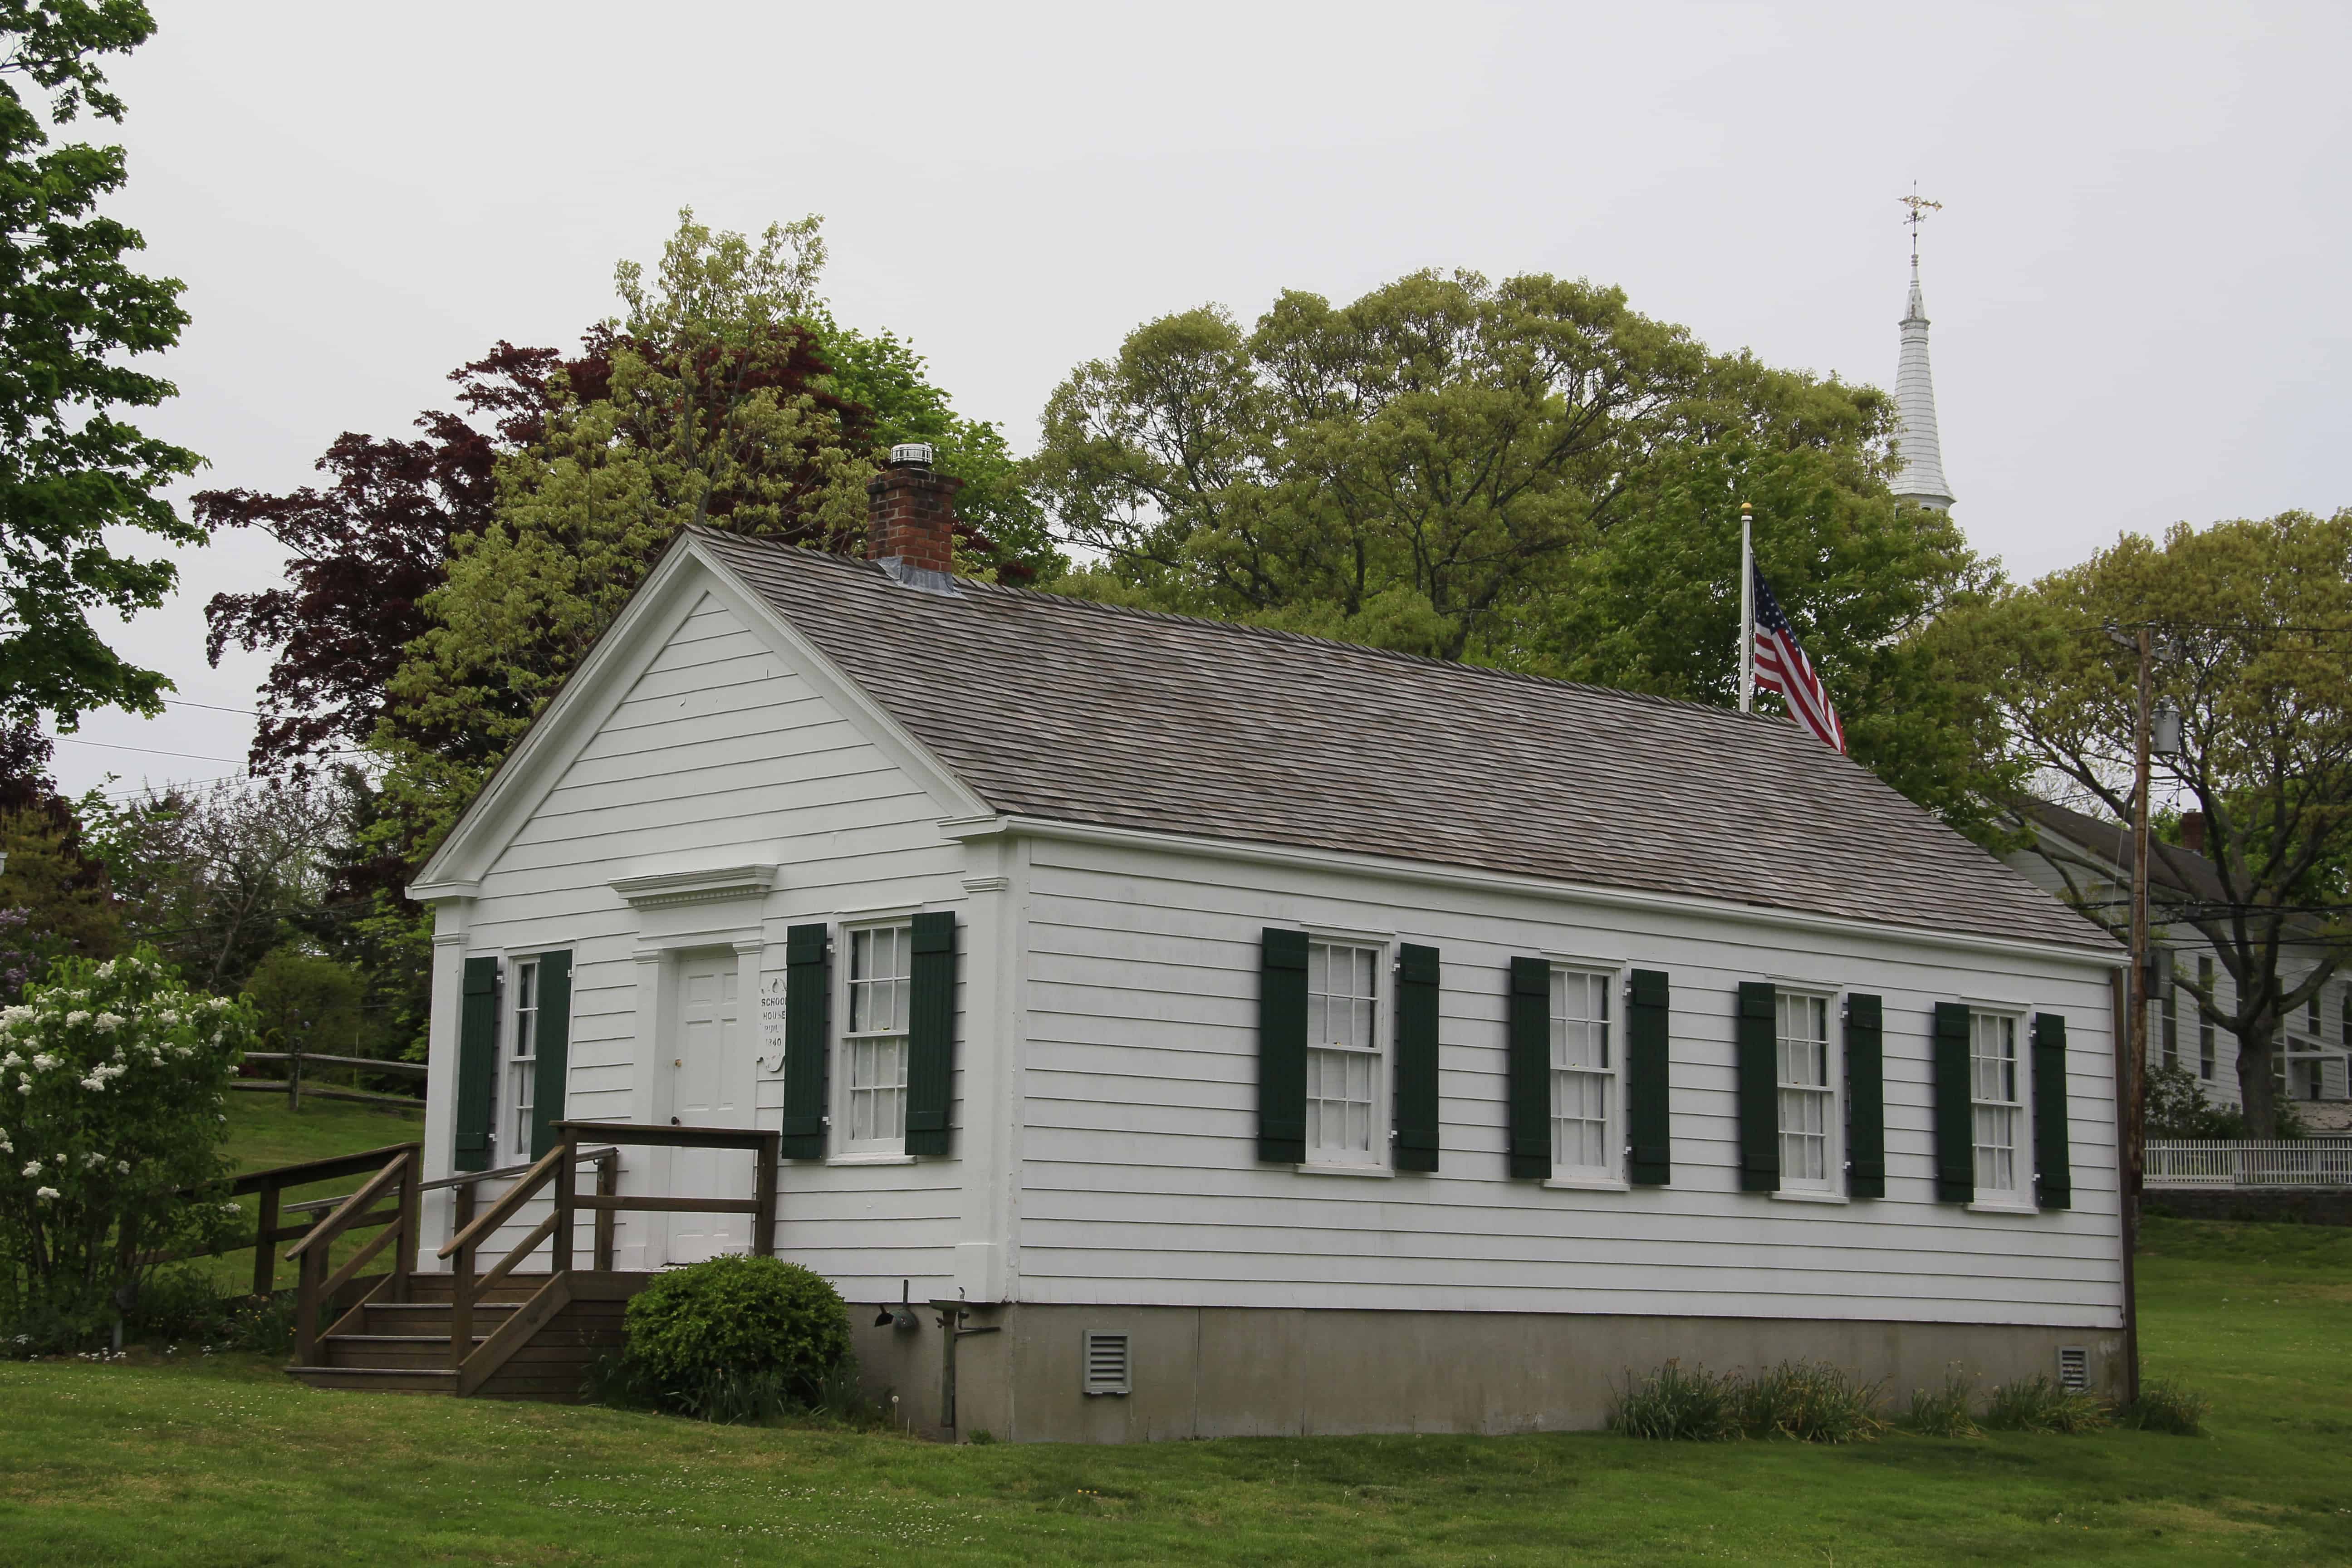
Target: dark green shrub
{"x": 1674, "y": 1406}
{"x": 1944, "y": 1412}
{"x": 1812, "y": 1402}
{"x": 736, "y": 1338}
{"x": 180, "y": 1306}
{"x": 2038, "y": 1403}
{"x": 2164, "y": 1406}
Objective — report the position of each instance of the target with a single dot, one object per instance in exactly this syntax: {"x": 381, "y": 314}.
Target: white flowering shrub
{"x": 113, "y": 1082}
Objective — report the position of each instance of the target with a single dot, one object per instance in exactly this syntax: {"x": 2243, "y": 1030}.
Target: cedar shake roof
{"x": 2183, "y": 872}
{"x": 1051, "y": 707}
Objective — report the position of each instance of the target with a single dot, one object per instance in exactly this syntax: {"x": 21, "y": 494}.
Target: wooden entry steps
{"x": 500, "y": 1332}
{"x": 541, "y": 1333}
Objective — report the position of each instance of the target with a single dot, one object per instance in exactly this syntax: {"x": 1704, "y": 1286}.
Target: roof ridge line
{"x": 1273, "y": 633}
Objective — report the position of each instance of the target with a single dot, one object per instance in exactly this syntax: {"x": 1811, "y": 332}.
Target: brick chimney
{"x": 2192, "y": 832}
{"x": 911, "y": 514}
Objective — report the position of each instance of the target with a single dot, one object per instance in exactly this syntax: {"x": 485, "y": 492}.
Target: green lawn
{"x": 223, "y": 1462}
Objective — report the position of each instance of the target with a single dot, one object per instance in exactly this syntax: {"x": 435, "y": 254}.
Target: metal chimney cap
{"x": 911, "y": 452}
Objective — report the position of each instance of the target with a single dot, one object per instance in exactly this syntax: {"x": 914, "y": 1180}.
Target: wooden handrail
{"x": 310, "y": 1170}
{"x": 515, "y": 1198}
{"x": 327, "y": 1229}
{"x": 753, "y": 1138}
{"x": 318, "y": 1287}
{"x": 467, "y": 1178}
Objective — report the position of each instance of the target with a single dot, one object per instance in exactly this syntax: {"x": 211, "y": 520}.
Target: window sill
{"x": 1587, "y": 1185}
{"x": 1807, "y": 1196}
{"x": 2003, "y": 1208}
{"x": 1378, "y": 1172}
{"x": 875, "y": 1159}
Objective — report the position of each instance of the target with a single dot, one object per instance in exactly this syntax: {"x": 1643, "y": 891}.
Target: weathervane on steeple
{"x": 1921, "y": 479}
{"x": 1920, "y": 208}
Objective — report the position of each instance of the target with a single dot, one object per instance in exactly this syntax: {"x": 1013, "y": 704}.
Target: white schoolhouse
{"x": 1264, "y": 1034}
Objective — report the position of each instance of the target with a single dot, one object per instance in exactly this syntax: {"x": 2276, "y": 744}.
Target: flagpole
{"x": 1747, "y": 614}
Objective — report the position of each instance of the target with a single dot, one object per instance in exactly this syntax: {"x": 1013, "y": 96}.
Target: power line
{"x": 150, "y": 750}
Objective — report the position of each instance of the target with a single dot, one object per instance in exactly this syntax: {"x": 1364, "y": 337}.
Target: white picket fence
{"x": 2248, "y": 1163}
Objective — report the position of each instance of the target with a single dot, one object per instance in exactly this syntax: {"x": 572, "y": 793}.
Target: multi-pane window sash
{"x": 874, "y": 1045}
{"x": 522, "y": 1060}
{"x": 1808, "y": 1100}
{"x": 2206, "y": 1053}
{"x": 1997, "y": 1089}
{"x": 1583, "y": 1077}
{"x": 1343, "y": 1053}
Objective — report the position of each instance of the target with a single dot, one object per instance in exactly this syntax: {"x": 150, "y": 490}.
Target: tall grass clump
{"x": 1678, "y": 1406}
{"x": 1944, "y": 1412}
{"x": 2164, "y": 1406}
{"x": 2039, "y": 1403}
{"x": 1811, "y": 1401}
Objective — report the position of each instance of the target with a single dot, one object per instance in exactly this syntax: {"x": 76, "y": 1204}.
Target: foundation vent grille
{"x": 2074, "y": 1368}
{"x": 1106, "y": 1368}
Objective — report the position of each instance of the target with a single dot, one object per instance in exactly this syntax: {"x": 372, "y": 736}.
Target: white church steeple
{"x": 1921, "y": 481}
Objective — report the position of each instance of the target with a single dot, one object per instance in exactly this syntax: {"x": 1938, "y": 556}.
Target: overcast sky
{"x": 2136, "y": 281}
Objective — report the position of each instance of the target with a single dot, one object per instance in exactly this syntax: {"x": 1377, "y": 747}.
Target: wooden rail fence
{"x": 292, "y": 1087}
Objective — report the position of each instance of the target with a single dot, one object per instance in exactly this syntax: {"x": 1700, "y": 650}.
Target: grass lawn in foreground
{"x": 227, "y": 1463}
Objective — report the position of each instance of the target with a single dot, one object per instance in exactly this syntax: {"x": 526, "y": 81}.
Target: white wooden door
{"x": 712, "y": 1086}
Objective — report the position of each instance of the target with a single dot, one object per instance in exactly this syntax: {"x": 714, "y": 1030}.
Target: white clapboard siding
{"x": 720, "y": 754}
{"x": 1140, "y": 1181}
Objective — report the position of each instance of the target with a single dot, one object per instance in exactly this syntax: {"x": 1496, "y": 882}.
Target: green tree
{"x": 307, "y": 1002}
{"x": 1396, "y": 470}
{"x": 73, "y": 312}
{"x": 709, "y": 417}
{"x": 1527, "y": 473}
{"x": 216, "y": 877}
{"x": 2254, "y": 624}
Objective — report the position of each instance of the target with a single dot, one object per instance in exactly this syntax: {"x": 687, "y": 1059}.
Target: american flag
{"x": 1782, "y": 666}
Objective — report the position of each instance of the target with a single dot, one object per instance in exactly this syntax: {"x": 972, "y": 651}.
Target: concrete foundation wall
{"x": 1256, "y": 1371}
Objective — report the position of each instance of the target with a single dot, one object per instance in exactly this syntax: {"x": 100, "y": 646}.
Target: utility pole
{"x": 2135, "y": 1108}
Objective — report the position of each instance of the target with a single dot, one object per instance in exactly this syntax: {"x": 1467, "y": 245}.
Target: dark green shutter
{"x": 1531, "y": 1068}
{"x": 930, "y": 1032}
{"x": 548, "y": 1078}
{"x": 1650, "y": 1157}
{"x": 2051, "y": 1154}
{"x": 808, "y": 1007}
{"x": 1416, "y": 1059}
{"x": 1757, "y": 1047}
{"x": 1865, "y": 1097}
{"x": 477, "y": 1063}
{"x": 1956, "y": 1153}
{"x": 1282, "y": 1046}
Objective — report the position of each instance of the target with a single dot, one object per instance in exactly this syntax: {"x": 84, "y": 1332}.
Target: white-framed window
{"x": 1810, "y": 1123}
{"x": 1586, "y": 1143}
{"x": 1344, "y": 1081}
{"x": 2207, "y": 1053}
{"x": 874, "y": 1040}
{"x": 522, "y": 1061}
{"x": 2004, "y": 1160}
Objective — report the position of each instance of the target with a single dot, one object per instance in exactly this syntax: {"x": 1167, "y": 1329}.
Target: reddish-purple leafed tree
{"x": 366, "y": 548}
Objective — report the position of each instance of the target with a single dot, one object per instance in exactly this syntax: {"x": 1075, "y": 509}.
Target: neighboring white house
{"x": 1267, "y": 1035}
{"x": 2084, "y": 860}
